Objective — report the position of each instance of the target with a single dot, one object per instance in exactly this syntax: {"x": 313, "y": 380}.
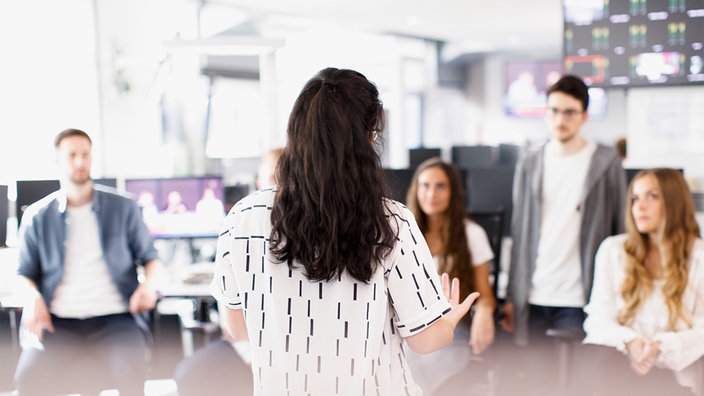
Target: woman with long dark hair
{"x": 325, "y": 276}
{"x": 645, "y": 323}
{"x": 460, "y": 248}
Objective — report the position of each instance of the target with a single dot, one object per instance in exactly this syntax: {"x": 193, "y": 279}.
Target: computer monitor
{"x": 398, "y": 181}
{"x": 491, "y": 189}
{"x": 31, "y": 191}
{"x": 185, "y": 207}
{"x": 4, "y": 209}
{"x": 632, "y": 172}
{"x": 234, "y": 194}
{"x": 466, "y": 157}
{"x": 417, "y": 155}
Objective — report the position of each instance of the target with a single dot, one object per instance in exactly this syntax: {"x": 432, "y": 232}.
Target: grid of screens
{"x": 180, "y": 207}
{"x": 636, "y": 42}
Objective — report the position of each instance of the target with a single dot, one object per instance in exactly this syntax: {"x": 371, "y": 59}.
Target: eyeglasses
{"x": 568, "y": 113}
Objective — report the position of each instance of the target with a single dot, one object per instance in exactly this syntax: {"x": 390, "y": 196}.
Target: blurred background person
{"x": 460, "y": 248}
{"x": 645, "y": 323}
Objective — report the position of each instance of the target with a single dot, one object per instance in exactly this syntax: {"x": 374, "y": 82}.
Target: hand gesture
{"x": 452, "y": 292}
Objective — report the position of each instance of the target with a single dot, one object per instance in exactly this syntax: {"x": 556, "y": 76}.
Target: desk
{"x": 9, "y": 260}
{"x": 191, "y": 301}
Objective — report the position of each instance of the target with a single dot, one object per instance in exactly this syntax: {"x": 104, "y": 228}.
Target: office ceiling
{"x": 468, "y": 26}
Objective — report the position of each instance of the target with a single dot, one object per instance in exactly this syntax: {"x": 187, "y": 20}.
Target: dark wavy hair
{"x": 456, "y": 258}
{"x": 329, "y": 212}
{"x": 573, "y": 86}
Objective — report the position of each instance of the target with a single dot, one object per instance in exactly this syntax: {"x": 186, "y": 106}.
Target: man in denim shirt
{"x": 79, "y": 252}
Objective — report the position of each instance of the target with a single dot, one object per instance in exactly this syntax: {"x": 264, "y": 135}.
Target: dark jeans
{"x": 604, "y": 371}
{"x": 539, "y": 363}
{"x": 86, "y": 355}
{"x": 214, "y": 370}
{"x": 561, "y": 318}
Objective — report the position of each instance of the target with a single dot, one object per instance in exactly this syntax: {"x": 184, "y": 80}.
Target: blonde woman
{"x": 645, "y": 324}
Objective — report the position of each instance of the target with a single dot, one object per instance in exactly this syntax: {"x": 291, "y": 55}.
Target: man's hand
{"x": 39, "y": 319}
{"x": 508, "y": 323}
{"x": 143, "y": 299}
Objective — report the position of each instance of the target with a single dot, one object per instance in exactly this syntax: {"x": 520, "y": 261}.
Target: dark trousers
{"x": 86, "y": 356}
{"x": 214, "y": 370}
{"x": 604, "y": 371}
{"x": 538, "y": 365}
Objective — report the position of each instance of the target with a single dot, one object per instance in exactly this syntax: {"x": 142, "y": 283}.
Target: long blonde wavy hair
{"x": 676, "y": 234}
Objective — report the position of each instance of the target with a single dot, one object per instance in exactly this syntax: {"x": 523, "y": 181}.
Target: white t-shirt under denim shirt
{"x": 342, "y": 337}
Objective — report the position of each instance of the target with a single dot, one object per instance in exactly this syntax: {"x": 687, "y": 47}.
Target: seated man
{"x": 77, "y": 276}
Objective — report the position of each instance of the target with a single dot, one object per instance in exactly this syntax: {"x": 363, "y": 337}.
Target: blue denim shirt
{"x": 124, "y": 239}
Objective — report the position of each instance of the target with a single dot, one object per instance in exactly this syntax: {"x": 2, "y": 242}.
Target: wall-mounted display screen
{"x": 180, "y": 207}
{"x": 634, "y": 43}
{"x": 527, "y": 82}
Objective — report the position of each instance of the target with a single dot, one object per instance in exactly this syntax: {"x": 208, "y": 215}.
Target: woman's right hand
{"x": 452, "y": 292}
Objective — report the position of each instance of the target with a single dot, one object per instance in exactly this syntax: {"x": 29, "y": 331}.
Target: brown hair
{"x": 68, "y": 133}
{"x": 456, "y": 258}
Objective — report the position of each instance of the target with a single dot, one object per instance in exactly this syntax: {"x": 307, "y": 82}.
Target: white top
{"x": 341, "y": 337}
{"x": 478, "y": 242}
{"x": 557, "y": 280}
{"x": 433, "y": 369}
{"x": 86, "y": 288}
{"x": 678, "y": 349}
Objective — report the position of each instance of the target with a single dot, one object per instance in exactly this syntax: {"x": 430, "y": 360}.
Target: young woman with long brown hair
{"x": 461, "y": 249}
{"x": 645, "y": 323}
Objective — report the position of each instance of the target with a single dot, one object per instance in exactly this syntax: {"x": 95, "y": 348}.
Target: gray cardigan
{"x": 603, "y": 208}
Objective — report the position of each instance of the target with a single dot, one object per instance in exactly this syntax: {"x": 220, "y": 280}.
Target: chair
{"x": 493, "y": 224}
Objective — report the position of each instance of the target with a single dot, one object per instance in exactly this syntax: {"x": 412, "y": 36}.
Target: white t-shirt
{"x": 86, "y": 288}
{"x": 557, "y": 280}
{"x": 478, "y": 242}
{"x": 341, "y": 337}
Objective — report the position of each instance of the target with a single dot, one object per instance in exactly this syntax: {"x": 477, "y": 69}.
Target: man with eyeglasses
{"x": 569, "y": 195}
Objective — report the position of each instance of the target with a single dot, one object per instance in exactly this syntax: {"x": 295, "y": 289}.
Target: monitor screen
{"x": 4, "y": 209}
{"x": 398, "y": 181}
{"x": 31, "y": 191}
{"x": 180, "y": 207}
{"x": 417, "y": 155}
{"x": 634, "y": 43}
{"x": 491, "y": 189}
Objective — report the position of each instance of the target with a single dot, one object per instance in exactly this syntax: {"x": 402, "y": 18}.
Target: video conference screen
{"x": 180, "y": 207}
{"x": 635, "y": 42}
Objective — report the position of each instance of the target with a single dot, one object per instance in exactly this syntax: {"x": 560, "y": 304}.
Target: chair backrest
{"x": 493, "y": 223}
